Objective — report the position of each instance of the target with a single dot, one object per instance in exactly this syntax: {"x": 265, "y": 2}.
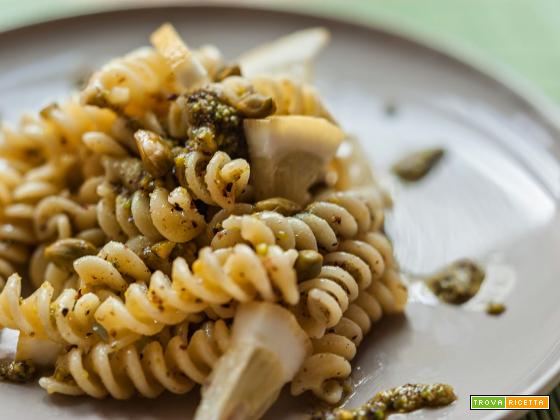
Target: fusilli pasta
{"x": 341, "y": 215}
{"x": 161, "y": 213}
{"x": 134, "y": 84}
{"x": 68, "y": 319}
{"x": 134, "y": 211}
{"x": 175, "y": 365}
{"x": 323, "y": 372}
{"x": 345, "y": 272}
{"x": 157, "y": 215}
{"x": 114, "y": 267}
{"x": 43, "y": 158}
{"x": 290, "y": 97}
{"x": 217, "y": 180}
{"x": 217, "y": 278}
{"x": 56, "y": 131}
{"x": 58, "y": 217}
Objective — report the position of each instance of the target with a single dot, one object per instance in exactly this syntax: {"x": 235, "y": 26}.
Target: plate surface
{"x": 493, "y": 198}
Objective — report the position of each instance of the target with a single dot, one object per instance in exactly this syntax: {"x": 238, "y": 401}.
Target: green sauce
{"x": 458, "y": 282}
{"x": 17, "y": 370}
{"x": 214, "y": 124}
{"x": 417, "y": 165}
{"x": 403, "y": 399}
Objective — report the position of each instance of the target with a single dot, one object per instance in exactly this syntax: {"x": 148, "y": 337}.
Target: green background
{"x": 519, "y": 37}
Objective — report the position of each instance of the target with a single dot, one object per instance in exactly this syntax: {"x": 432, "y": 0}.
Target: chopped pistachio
{"x": 64, "y": 251}
{"x": 127, "y": 204}
{"x": 308, "y": 264}
{"x": 256, "y": 106}
{"x": 417, "y": 165}
{"x": 163, "y": 249}
{"x": 154, "y": 151}
{"x": 495, "y": 308}
{"x": 100, "y": 331}
{"x": 159, "y": 255}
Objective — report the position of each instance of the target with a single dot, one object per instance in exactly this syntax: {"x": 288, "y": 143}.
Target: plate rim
{"x": 530, "y": 95}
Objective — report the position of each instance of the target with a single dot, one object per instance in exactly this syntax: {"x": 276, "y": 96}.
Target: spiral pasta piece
{"x": 61, "y": 217}
{"x": 56, "y": 131}
{"x": 341, "y": 215}
{"x": 266, "y": 228}
{"x": 19, "y": 153}
{"x": 45, "y": 180}
{"x": 329, "y": 365}
{"x": 10, "y": 255}
{"x": 291, "y": 97}
{"x": 172, "y": 215}
{"x": 160, "y": 255}
{"x": 66, "y": 320}
{"x": 114, "y": 267}
{"x": 65, "y": 124}
{"x": 175, "y": 366}
{"x": 42, "y": 158}
{"x": 215, "y": 224}
{"x": 160, "y": 214}
{"x": 16, "y": 241}
{"x": 135, "y": 83}
{"x": 210, "y": 57}
{"x": 42, "y": 270}
{"x": 104, "y": 144}
{"x": 57, "y": 177}
{"x": 217, "y": 180}
{"x": 11, "y": 176}
{"x": 346, "y": 271}
{"x": 217, "y": 278}
{"x": 140, "y": 82}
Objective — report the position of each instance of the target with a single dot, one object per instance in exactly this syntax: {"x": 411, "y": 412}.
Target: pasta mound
{"x": 134, "y": 204}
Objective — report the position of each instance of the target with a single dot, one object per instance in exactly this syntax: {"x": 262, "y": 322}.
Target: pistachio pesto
{"x": 402, "y": 399}
{"x": 17, "y": 370}
{"x": 214, "y": 124}
{"x": 458, "y": 282}
{"x": 415, "y": 166}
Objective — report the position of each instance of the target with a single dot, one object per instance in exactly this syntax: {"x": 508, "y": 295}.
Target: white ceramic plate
{"x": 494, "y": 198}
